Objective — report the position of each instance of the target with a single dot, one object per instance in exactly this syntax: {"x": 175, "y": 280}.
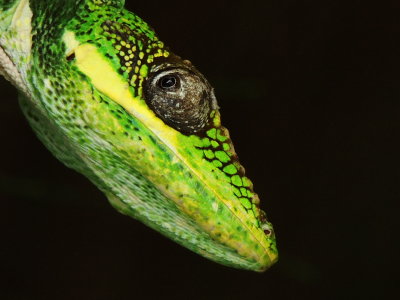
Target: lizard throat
{"x": 11, "y": 73}
{"x": 16, "y": 44}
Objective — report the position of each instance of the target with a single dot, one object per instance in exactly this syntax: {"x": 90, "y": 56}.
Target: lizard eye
{"x": 169, "y": 82}
{"x": 181, "y": 97}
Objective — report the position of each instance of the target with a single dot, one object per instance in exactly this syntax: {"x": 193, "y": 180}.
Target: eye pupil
{"x": 168, "y": 82}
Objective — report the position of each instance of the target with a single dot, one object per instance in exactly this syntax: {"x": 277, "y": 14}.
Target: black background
{"x": 310, "y": 91}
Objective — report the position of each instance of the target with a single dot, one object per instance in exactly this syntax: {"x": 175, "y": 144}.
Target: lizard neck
{"x": 15, "y": 42}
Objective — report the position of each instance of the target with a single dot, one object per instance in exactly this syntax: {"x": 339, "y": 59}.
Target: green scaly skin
{"x": 84, "y": 70}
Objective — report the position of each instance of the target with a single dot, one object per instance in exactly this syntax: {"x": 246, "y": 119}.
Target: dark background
{"x": 310, "y": 91}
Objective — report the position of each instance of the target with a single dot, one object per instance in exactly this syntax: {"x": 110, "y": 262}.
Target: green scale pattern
{"x": 135, "y": 55}
{"x": 217, "y": 148}
{"x": 137, "y": 46}
{"x": 92, "y": 134}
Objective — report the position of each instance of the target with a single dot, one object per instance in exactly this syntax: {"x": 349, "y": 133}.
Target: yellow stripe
{"x": 106, "y": 80}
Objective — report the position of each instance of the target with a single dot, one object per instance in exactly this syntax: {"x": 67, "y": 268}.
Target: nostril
{"x": 265, "y": 225}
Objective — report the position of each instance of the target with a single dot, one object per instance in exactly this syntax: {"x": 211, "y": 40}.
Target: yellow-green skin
{"x": 80, "y": 67}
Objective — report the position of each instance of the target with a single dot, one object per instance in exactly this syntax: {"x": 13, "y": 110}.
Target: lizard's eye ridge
{"x": 169, "y": 82}
{"x": 181, "y": 97}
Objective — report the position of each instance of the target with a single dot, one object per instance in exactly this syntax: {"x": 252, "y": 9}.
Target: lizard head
{"x": 142, "y": 124}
